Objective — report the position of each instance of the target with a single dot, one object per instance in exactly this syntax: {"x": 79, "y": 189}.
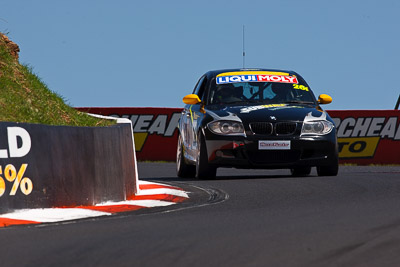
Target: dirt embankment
{"x": 11, "y": 46}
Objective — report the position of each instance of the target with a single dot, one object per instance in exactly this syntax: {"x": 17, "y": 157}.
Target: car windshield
{"x": 260, "y": 92}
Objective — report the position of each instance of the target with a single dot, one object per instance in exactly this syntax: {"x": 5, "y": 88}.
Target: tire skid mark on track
{"x": 150, "y": 195}
{"x": 214, "y": 196}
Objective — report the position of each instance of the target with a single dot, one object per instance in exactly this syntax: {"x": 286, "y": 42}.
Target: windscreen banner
{"x": 364, "y": 136}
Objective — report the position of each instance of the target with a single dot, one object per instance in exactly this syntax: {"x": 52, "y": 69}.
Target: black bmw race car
{"x": 255, "y": 118}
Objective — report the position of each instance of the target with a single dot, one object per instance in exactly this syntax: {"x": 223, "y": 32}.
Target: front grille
{"x": 279, "y": 128}
{"x": 264, "y": 128}
{"x": 285, "y": 128}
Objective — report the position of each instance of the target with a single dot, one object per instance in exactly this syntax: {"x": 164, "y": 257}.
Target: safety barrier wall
{"x": 45, "y": 166}
{"x": 364, "y": 136}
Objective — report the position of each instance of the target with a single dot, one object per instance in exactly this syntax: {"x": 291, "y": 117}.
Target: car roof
{"x": 216, "y": 72}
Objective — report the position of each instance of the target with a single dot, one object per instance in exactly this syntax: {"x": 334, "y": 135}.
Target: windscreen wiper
{"x": 299, "y": 102}
{"x": 235, "y": 102}
{"x": 244, "y": 102}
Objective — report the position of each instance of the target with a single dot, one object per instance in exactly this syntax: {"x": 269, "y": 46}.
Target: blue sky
{"x": 151, "y": 53}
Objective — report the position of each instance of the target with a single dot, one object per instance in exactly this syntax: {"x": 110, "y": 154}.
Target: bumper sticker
{"x": 274, "y": 145}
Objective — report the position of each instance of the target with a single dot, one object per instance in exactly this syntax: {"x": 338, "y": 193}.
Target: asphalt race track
{"x": 244, "y": 218}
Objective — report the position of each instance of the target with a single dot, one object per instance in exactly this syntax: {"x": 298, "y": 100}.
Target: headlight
{"x": 226, "y": 127}
{"x": 316, "y": 127}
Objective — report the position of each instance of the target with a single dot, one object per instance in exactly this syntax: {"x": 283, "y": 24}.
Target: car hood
{"x": 273, "y": 112}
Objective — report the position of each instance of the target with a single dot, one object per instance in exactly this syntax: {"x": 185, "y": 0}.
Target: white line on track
{"x": 152, "y": 183}
{"x": 143, "y": 203}
{"x": 48, "y": 215}
{"x": 53, "y": 215}
{"x": 167, "y": 191}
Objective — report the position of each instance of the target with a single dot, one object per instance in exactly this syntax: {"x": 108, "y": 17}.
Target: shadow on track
{"x": 166, "y": 172}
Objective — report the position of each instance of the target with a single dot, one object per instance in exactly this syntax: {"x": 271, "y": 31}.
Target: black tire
{"x": 183, "y": 169}
{"x": 330, "y": 170}
{"x": 300, "y": 171}
{"x": 203, "y": 168}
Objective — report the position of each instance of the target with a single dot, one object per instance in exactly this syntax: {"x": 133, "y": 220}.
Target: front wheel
{"x": 203, "y": 168}
{"x": 329, "y": 170}
{"x": 182, "y": 168}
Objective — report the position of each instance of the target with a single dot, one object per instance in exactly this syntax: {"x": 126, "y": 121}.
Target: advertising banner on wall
{"x": 44, "y": 166}
{"x": 368, "y": 136}
{"x": 364, "y": 136}
{"x": 155, "y": 130}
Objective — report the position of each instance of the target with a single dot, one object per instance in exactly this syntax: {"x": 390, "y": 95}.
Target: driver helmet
{"x": 224, "y": 91}
{"x": 281, "y": 89}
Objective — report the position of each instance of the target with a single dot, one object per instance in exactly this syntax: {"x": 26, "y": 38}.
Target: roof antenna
{"x": 244, "y": 53}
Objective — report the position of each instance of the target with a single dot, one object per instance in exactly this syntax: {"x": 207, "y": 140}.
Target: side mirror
{"x": 191, "y": 99}
{"x": 324, "y": 99}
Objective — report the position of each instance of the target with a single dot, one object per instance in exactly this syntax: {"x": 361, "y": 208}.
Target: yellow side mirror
{"x": 191, "y": 99}
{"x": 324, "y": 99}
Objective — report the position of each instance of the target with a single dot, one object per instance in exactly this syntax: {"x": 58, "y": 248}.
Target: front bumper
{"x": 243, "y": 152}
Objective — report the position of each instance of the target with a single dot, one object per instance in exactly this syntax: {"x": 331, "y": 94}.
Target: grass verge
{"x": 25, "y": 98}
